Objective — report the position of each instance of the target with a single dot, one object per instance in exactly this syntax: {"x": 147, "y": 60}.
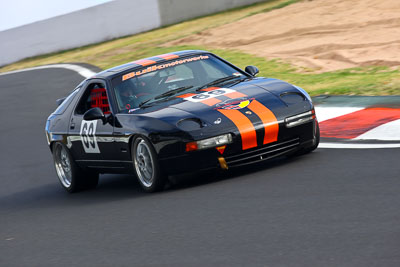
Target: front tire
{"x": 147, "y": 168}
{"x": 317, "y": 138}
{"x": 70, "y": 175}
{"x": 311, "y": 148}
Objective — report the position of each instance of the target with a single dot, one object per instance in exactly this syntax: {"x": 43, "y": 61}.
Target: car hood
{"x": 204, "y": 113}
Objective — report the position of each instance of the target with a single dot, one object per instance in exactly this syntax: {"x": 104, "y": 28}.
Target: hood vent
{"x": 191, "y": 124}
{"x": 292, "y": 97}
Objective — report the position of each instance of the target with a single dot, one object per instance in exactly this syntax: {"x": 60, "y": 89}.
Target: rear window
{"x": 64, "y": 105}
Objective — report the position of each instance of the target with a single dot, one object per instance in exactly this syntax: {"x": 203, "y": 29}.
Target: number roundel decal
{"x": 88, "y": 137}
{"x": 209, "y": 94}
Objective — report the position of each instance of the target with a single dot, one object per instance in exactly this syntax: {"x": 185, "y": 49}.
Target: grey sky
{"x": 15, "y": 13}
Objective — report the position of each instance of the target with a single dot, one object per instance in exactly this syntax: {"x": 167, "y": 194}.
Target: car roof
{"x": 116, "y": 71}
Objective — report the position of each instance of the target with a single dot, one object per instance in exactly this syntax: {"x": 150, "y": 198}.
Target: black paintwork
{"x": 160, "y": 123}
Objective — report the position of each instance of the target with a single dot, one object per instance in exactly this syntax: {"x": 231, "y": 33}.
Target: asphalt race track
{"x": 333, "y": 207}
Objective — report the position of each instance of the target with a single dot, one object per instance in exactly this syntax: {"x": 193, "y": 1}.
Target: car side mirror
{"x": 94, "y": 114}
{"x": 252, "y": 70}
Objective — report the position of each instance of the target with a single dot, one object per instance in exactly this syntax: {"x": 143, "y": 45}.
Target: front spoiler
{"x": 212, "y": 159}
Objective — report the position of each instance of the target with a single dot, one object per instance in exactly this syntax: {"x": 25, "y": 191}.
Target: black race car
{"x": 174, "y": 113}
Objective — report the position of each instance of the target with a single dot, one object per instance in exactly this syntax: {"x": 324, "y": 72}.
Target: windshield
{"x": 163, "y": 80}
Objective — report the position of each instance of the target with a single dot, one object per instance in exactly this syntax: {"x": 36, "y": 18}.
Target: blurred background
{"x": 325, "y": 46}
{"x": 40, "y": 27}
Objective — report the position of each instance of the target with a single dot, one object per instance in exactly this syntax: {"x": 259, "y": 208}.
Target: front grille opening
{"x": 263, "y": 153}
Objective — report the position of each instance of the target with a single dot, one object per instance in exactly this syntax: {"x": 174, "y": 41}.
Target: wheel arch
{"x": 132, "y": 139}
{"x": 57, "y": 138}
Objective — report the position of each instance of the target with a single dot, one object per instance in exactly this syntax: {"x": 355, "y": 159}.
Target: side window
{"x": 94, "y": 96}
{"x": 64, "y": 105}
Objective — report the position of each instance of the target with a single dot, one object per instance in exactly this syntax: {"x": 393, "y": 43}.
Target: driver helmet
{"x": 126, "y": 89}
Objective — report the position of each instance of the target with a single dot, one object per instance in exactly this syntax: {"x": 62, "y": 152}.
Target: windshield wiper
{"x": 217, "y": 81}
{"x": 166, "y": 94}
{"x": 173, "y": 91}
{"x": 144, "y": 102}
{"x": 238, "y": 81}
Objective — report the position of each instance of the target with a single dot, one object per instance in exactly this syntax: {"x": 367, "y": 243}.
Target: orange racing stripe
{"x": 185, "y": 95}
{"x": 168, "y": 56}
{"x": 244, "y": 125}
{"x": 210, "y": 89}
{"x": 144, "y": 62}
{"x": 235, "y": 95}
{"x": 269, "y": 120}
{"x": 211, "y": 101}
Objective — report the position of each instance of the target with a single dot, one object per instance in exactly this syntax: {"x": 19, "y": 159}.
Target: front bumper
{"x": 289, "y": 141}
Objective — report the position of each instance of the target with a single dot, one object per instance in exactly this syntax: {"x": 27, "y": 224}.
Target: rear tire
{"x": 146, "y": 166}
{"x": 71, "y": 176}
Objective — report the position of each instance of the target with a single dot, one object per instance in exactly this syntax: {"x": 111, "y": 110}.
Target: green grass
{"x": 357, "y": 81}
{"x": 122, "y": 50}
{"x": 354, "y": 81}
{"x": 277, "y": 6}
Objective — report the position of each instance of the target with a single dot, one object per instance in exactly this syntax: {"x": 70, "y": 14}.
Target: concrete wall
{"x": 173, "y": 11}
{"x": 103, "y": 22}
{"x": 87, "y": 26}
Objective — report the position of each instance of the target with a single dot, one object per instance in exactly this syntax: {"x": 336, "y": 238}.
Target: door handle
{"x": 72, "y": 126}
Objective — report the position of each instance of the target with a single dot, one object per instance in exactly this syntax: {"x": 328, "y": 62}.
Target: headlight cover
{"x": 209, "y": 142}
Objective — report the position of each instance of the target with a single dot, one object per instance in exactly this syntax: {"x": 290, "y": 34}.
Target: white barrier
{"x": 103, "y": 22}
